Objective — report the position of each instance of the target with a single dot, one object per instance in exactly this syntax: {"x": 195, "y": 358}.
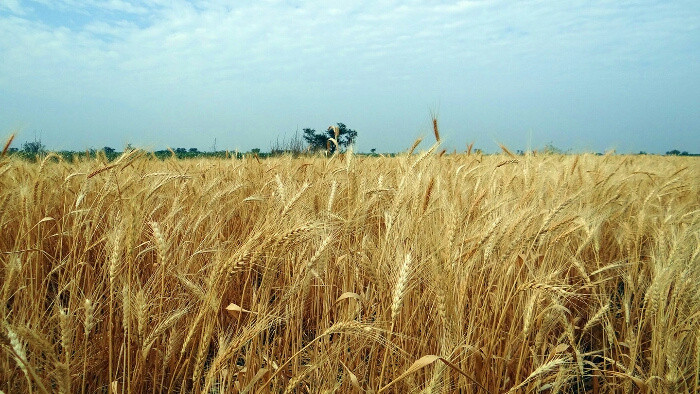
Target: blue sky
{"x": 582, "y": 75}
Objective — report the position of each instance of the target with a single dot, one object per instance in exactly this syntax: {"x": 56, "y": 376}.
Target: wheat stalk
{"x": 66, "y": 344}
{"x": 114, "y": 264}
{"x": 396, "y": 304}
{"x": 414, "y": 146}
{"x": 166, "y": 245}
{"x": 7, "y": 144}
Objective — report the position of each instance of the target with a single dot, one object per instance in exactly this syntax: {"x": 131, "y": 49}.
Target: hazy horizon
{"x": 584, "y": 76}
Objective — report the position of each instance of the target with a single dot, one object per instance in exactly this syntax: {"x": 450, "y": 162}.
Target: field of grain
{"x": 422, "y": 272}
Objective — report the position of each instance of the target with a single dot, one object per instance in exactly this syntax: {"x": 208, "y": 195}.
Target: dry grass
{"x": 551, "y": 273}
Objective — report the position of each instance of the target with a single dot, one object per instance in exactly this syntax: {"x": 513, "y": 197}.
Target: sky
{"x": 591, "y": 75}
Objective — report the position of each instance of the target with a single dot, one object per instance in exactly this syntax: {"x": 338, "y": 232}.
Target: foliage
{"x": 320, "y": 141}
{"x": 676, "y": 152}
{"x": 33, "y": 148}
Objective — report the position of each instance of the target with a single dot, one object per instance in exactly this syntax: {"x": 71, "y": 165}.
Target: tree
{"x": 194, "y": 150}
{"x": 108, "y": 150}
{"x": 35, "y": 147}
{"x": 319, "y": 141}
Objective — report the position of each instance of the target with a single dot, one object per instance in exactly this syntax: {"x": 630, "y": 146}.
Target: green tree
{"x": 319, "y": 141}
{"x": 33, "y": 148}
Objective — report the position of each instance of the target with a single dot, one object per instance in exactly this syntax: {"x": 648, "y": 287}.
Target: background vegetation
{"x": 335, "y": 137}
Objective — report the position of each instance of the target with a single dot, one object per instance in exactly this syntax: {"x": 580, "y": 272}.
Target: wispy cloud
{"x": 12, "y": 6}
{"x": 163, "y": 55}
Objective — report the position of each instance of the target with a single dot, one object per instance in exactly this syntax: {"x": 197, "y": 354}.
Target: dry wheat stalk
{"x": 400, "y": 286}
{"x": 537, "y": 303}
{"x": 414, "y": 146}
{"x": 331, "y": 197}
{"x": 7, "y": 144}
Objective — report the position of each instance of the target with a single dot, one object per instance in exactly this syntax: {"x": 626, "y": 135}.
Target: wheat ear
{"x": 396, "y": 304}
{"x": 89, "y": 325}
{"x": 7, "y": 144}
{"x": 436, "y": 132}
{"x": 113, "y": 268}
{"x": 414, "y": 146}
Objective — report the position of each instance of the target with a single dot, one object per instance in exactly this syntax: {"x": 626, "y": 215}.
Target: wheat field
{"x": 416, "y": 273}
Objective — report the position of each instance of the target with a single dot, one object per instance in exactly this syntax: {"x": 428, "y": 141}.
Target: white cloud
{"x": 123, "y": 6}
{"x": 12, "y": 6}
{"x": 159, "y": 55}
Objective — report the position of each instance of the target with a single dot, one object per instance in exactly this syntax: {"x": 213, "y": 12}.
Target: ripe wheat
{"x": 429, "y": 272}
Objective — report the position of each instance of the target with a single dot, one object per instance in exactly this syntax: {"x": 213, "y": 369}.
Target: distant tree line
{"x": 676, "y": 152}
{"x": 310, "y": 141}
